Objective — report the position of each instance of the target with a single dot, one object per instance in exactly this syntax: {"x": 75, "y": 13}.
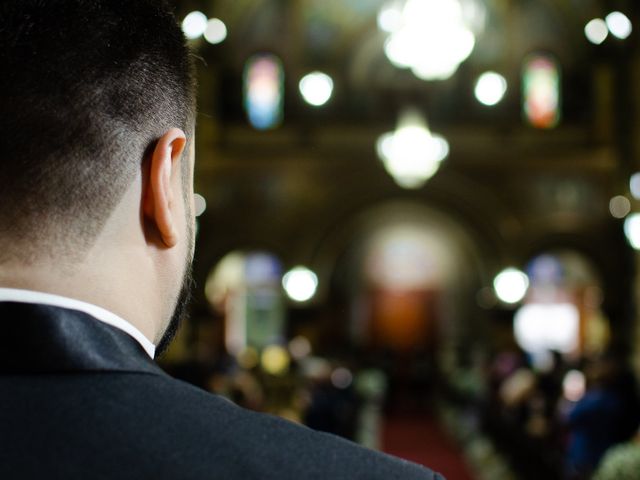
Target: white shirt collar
{"x": 99, "y": 313}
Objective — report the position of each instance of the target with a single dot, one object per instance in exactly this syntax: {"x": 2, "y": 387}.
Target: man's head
{"x": 95, "y": 95}
{"x": 87, "y": 87}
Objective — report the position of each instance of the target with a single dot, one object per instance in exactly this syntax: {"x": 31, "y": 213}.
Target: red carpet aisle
{"x": 420, "y": 439}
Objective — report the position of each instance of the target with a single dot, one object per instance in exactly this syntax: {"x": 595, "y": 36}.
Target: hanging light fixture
{"x": 412, "y": 154}
{"x": 430, "y": 37}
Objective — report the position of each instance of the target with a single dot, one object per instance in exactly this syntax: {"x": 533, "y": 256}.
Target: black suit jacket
{"x": 80, "y": 399}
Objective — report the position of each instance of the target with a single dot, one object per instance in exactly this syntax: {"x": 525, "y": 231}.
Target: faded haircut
{"x": 87, "y": 87}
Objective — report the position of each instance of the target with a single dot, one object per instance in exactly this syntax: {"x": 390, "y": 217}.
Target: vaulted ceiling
{"x": 515, "y": 189}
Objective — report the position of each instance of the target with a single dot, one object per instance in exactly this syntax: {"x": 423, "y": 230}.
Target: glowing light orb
{"x": 299, "y": 347}
{"x": 634, "y": 185}
{"x": 194, "y": 25}
{"x": 341, "y": 378}
{"x": 431, "y": 37}
{"x": 412, "y": 154}
{"x": 300, "y": 284}
{"x": 619, "y": 25}
{"x": 596, "y": 31}
{"x": 511, "y": 285}
{"x": 490, "y": 88}
{"x": 390, "y": 18}
{"x": 275, "y": 360}
{"x": 200, "y": 204}
{"x": 216, "y": 31}
{"x": 632, "y": 230}
{"x": 316, "y": 88}
{"x": 619, "y": 206}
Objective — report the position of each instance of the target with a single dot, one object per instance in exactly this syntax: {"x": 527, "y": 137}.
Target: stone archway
{"x": 428, "y": 299}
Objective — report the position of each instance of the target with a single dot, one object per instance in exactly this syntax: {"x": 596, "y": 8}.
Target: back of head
{"x": 87, "y": 87}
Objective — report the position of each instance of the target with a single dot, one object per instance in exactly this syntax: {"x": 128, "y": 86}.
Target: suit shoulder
{"x": 263, "y": 442}
{"x": 163, "y": 428}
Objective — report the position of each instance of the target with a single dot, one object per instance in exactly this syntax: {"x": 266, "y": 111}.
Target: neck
{"x": 103, "y": 280}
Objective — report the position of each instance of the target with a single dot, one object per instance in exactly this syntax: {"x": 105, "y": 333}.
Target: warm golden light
{"x": 275, "y": 360}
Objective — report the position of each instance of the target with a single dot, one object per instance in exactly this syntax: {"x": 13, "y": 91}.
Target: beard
{"x": 181, "y": 310}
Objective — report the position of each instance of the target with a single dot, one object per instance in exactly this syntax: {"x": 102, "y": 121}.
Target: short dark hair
{"x": 87, "y": 87}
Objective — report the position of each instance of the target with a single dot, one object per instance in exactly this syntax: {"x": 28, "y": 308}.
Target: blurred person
{"x": 96, "y": 242}
{"x": 606, "y": 415}
{"x": 621, "y": 462}
{"x": 331, "y": 409}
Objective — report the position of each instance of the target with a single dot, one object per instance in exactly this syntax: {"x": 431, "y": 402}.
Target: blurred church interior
{"x": 418, "y": 221}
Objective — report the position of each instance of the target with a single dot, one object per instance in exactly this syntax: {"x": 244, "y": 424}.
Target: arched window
{"x": 562, "y": 310}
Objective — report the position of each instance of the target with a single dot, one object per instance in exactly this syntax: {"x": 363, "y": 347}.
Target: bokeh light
{"x": 316, "y": 88}
{"x": 216, "y": 31}
{"x": 200, "y": 204}
{"x": 634, "y": 185}
{"x": 299, "y": 347}
{"x": 341, "y": 378}
{"x": 300, "y": 284}
{"x": 632, "y": 230}
{"x": 545, "y": 327}
{"x": 194, "y": 25}
{"x": 574, "y": 385}
{"x": 619, "y": 206}
{"x": 390, "y": 18}
{"x": 275, "y": 360}
{"x": 619, "y": 25}
{"x": 432, "y": 38}
{"x": 511, "y": 285}
{"x": 490, "y": 88}
{"x": 596, "y": 31}
{"x": 412, "y": 154}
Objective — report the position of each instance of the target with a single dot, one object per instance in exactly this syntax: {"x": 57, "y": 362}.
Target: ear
{"x": 164, "y": 183}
